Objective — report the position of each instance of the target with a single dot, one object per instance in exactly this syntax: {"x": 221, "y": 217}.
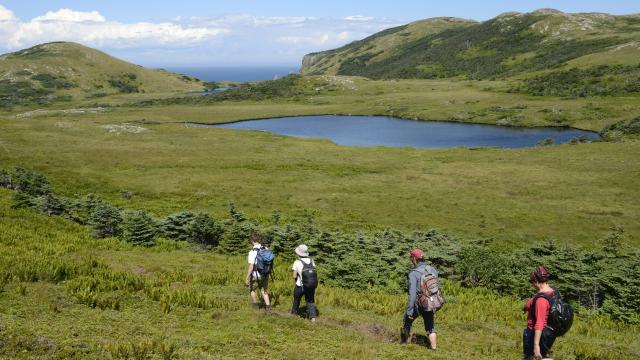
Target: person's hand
{"x": 247, "y": 281}
{"x": 536, "y": 352}
{"x": 411, "y": 317}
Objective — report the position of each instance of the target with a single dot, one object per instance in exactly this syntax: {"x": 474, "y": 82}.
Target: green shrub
{"x": 204, "y": 230}
{"x": 5, "y": 179}
{"x": 49, "y": 204}
{"x": 546, "y": 142}
{"x": 622, "y": 128}
{"x": 28, "y": 182}
{"x": 22, "y": 200}
{"x": 177, "y": 226}
{"x": 106, "y": 221}
{"x": 236, "y": 237}
{"x": 123, "y": 86}
{"x": 139, "y": 228}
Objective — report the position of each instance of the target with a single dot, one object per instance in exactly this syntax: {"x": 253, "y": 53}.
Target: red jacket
{"x": 537, "y": 320}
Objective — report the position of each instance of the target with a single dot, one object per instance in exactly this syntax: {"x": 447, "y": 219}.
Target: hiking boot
{"x": 404, "y": 337}
{"x": 268, "y": 309}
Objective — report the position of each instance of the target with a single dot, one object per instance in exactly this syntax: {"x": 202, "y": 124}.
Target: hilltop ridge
{"x": 64, "y": 70}
{"x": 508, "y": 45}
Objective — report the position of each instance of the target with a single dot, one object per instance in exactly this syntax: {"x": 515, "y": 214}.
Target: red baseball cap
{"x": 416, "y": 253}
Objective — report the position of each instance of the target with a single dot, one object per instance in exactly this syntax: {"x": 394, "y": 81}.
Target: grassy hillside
{"x": 571, "y": 193}
{"x": 510, "y": 44}
{"x": 66, "y": 295}
{"x": 64, "y": 71}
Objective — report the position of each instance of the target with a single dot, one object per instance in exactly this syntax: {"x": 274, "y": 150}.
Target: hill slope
{"x": 68, "y": 296}
{"x": 65, "y": 71}
{"x": 510, "y": 44}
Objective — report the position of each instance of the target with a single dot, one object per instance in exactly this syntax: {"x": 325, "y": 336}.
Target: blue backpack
{"x": 264, "y": 261}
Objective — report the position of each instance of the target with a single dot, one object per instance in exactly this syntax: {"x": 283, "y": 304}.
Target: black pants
{"x": 546, "y": 342}
{"x": 309, "y": 296}
{"x": 428, "y": 317}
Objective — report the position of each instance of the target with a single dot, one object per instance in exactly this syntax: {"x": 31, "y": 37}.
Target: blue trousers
{"x": 546, "y": 342}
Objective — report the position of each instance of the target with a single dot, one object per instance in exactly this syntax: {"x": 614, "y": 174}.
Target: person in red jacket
{"x": 537, "y": 338}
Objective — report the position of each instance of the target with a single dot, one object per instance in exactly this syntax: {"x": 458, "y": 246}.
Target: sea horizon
{"x": 235, "y": 73}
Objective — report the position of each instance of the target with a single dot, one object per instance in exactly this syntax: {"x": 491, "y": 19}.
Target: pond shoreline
{"x": 394, "y": 117}
{"x": 389, "y": 131}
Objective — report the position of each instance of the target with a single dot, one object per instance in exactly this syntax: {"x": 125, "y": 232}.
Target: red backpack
{"x": 430, "y": 297}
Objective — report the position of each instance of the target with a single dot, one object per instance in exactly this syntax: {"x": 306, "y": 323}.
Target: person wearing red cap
{"x": 537, "y": 339}
{"x": 413, "y": 309}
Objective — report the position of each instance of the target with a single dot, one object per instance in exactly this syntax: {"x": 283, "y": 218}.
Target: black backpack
{"x": 309, "y": 275}
{"x": 560, "y": 313}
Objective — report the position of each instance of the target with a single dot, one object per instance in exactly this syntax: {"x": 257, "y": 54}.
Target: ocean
{"x": 240, "y": 74}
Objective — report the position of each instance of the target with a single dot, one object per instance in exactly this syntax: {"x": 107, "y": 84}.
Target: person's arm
{"x": 294, "y": 274}
{"x": 537, "y": 354}
{"x": 542, "y": 313}
{"x": 247, "y": 280}
{"x": 413, "y": 292}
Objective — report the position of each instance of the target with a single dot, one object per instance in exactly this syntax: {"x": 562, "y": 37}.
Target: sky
{"x": 238, "y": 32}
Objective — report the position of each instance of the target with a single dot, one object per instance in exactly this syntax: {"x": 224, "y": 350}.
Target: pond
{"x": 395, "y": 132}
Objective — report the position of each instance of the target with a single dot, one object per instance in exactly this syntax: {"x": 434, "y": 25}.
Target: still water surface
{"x": 395, "y": 132}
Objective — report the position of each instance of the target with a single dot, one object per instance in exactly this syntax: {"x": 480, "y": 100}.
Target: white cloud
{"x": 358, "y": 18}
{"x": 6, "y": 14}
{"x": 231, "y": 39}
{"x": 71, "y": 16}
{"x": 92, "y": 29}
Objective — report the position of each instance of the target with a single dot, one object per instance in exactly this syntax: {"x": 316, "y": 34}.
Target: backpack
{"x": 264, "y": 261}
{"x": 309, "y": 275}
{"x": 560, "y": 313}
{"x": 430, "y": 297}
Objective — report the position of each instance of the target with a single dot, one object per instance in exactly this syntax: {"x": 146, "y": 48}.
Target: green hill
{"x": 65, "y": 295}
{"x": 508, "y": 45}
{"x": 64, "y": 71}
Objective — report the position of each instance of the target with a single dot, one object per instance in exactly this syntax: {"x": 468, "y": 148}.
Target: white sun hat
{"x": 302, "y": 250}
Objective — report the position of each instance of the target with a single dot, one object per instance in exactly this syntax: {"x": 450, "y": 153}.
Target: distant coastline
{"x": 236, "y": 73}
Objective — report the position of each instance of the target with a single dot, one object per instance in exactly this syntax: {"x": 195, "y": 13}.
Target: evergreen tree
{"x": 235, "y": 214}
{"x": 177, "y": 226}
{"x": 22, "y": 200}
{"x": 105, "y": 219}
{"x": 50, "y": 204}
{"x": 29, "y": 182}
{"x": 612, "y": 243}
{"x": 205, "y": 230}
{"x": 5, "y": 179}
{"x": 236, "y": 237}
{"x": 139, "y": 228}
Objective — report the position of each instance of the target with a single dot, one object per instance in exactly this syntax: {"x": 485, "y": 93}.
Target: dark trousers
{"x": 309, "y": 296}
{"x": 546, "y": 342}
{"x": 428, "y": 316}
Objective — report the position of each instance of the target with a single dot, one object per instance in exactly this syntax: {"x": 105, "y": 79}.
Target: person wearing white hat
{"x": 306, "y": 281}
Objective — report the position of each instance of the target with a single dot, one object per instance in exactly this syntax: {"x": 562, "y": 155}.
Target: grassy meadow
{"x": 67, "y": 295}
{"x": 567, "y": 193}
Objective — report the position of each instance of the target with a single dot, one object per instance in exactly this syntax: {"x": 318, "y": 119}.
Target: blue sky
{"x": 238, "y": 32}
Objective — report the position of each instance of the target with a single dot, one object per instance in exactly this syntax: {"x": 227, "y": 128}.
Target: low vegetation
{"x": 68, "y": 295}
{"x": 603, "y": 80}
{"x": 605, "y": 278}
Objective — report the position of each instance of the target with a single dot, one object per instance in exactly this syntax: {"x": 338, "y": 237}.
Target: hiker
{"x": 425, "y": 297}
{"x": 256, "y": 279}
{"x": 306, "y": 280}
{"x": 537, "y": 337}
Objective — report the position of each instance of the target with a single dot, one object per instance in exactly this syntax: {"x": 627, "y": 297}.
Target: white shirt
{"x": 297, "y": 267}
{"x": 251, "y": 259}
